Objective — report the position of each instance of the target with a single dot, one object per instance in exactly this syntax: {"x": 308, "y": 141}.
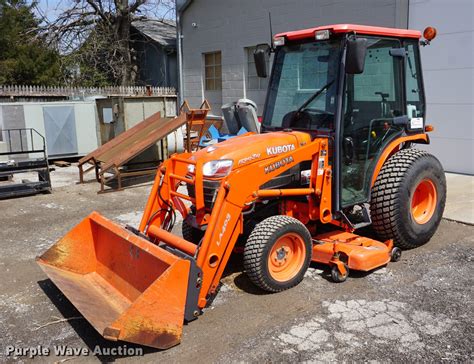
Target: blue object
{"x": 215, "y": 135}
{"x": 213, "y": 132}
{"x": 242, "y": 131}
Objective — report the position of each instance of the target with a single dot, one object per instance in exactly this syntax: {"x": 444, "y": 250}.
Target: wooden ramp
{"x": 113, "y": 155}
{"x": 110, "y": 157}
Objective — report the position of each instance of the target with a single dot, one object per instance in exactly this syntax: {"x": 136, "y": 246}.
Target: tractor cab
{"x": 359, "y": 86}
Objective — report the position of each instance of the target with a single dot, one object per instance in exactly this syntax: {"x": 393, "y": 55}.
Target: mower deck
{"x": 357, "y": 252}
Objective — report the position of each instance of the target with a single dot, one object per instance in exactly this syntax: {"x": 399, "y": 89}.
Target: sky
{"x": 51, "y": 9}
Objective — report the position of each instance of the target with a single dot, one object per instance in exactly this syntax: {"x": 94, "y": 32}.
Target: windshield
{"x": 302, "y": 92}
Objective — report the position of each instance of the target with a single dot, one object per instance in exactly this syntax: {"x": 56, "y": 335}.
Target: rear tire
{"x": 408, "y": 198}
{"x": 278, "y": 253}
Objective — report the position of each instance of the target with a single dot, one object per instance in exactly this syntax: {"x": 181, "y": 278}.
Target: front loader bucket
{"x": 126, "y": 287}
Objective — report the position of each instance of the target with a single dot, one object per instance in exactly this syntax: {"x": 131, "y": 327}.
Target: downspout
{"x": 179, "y": 37}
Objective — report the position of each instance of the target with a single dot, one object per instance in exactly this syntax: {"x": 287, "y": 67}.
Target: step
{"x": 22, "y": 189}
{"x": 23, "y": 167}
{"x": 15, "y": 171}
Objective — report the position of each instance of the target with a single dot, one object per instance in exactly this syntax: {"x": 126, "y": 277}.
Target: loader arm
{"x": 237, "y": 192}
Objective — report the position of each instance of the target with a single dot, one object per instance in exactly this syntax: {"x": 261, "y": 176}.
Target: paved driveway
{"x": 417, "y": 309}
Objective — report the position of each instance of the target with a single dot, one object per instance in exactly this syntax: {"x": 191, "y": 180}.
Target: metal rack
{"x": 22, "y": 144}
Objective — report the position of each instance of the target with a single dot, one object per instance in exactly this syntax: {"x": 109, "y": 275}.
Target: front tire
{"x": 190, "y": 233}
{"x": 278, "y": 253}
{"x": 408, "y": 198}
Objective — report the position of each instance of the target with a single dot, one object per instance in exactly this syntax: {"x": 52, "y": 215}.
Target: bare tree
{"x": 97, "y": 32}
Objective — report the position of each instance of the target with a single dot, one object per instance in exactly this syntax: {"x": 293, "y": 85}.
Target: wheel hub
{"x": 281, "y": 253}
{"x": 286, "y": 257}
{"x": 423, "y": 201}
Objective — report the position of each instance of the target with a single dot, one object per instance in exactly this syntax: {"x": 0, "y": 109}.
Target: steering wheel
{"x": 304, "y": 119}
{"x": 322, "y": 122}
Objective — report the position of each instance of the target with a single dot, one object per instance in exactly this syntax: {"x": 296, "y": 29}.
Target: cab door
{"x": 372, "y": 102}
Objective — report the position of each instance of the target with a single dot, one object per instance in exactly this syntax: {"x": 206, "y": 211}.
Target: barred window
{"x": 213, "y": 71}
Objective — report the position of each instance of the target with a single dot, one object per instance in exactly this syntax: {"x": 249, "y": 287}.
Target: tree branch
{"x": 98, "y": 10}
{"x": 136, "y": 5}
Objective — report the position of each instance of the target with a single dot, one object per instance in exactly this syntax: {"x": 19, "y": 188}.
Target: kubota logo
{"x": 279, "y": 149}
{"x": 224, "y": 228}
{"x": 281, "y": 163}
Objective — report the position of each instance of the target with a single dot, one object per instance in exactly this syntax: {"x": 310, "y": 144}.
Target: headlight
{"x": 322, "y": 34}
{"x": 219, "y": 168}
{"x": 278, "y": 41}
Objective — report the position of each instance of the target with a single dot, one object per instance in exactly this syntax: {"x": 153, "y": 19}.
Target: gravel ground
{"x": 419, "y": 309}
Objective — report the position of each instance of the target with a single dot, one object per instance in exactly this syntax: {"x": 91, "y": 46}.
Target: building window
{"x": 213, "y": 71}
{"x": 253, "y": 81}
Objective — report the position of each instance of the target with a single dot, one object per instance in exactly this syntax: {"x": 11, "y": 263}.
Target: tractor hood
{"x": 251, "y": 147}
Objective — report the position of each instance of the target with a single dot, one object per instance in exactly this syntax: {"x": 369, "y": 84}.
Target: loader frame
{"x": 223, "y": 229}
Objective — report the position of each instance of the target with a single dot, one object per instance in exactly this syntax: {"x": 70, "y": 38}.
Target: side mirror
{"x": 349, "y": 152}
{"x": 260, "y": 62}
{"x": 355, "y": 55}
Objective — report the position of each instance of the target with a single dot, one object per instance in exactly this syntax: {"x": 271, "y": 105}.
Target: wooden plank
{"x": 120, "y": 138}
{"x": 130, "y": 141}
{"x": 61, "y": 164}
{"x": 138, "y": 145}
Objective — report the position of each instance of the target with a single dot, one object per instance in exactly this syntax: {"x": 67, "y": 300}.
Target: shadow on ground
{"x": 84, "y": 330}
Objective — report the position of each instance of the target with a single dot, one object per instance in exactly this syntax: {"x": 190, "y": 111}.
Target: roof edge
{"x": 348, "y": 28}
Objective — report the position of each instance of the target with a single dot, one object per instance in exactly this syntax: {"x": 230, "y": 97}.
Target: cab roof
{"x": 349, "y": 28}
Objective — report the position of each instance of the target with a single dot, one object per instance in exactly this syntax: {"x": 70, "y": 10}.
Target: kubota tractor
{"x": 344, "y": 107}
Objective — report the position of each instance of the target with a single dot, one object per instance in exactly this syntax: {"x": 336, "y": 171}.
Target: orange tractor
{"x": 345, "y": 105}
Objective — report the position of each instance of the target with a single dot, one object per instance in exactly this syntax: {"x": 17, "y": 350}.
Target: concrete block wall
{"x": 231, "y": 26}
{"x": 448, "y": 67}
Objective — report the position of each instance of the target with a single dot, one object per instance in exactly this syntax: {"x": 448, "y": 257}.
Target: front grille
{"x": 210, "y": 192}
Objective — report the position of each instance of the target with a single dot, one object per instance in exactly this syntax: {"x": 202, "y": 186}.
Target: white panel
{"x": 449, "y": 86}
{"x": 450, "y": 50}
{"x": 449, "y": 79}
{"x": 134, "y": 111}
{"x": 456, "y": 155}
{"x": 34, "y": 119}
{"x": 170, "y": 107}
{"x": 451, "y": 121}
{"x": 447, "y": 16}
{"x": 60, "y": 126}
{"x": 153, "y": 106}
{"x": 86, "y": 128}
